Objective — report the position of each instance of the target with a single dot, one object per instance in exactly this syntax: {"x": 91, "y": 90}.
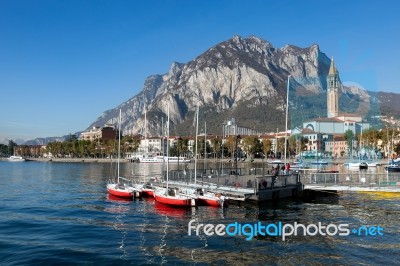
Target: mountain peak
{"x": 251, "y": 43}
{"x": 234, "y": 75}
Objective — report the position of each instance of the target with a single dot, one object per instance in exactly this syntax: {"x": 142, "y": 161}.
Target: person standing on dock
{"x": 287, "y": 170}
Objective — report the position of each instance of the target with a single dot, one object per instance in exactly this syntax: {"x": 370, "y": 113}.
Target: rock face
{"x": 244, "y": 78}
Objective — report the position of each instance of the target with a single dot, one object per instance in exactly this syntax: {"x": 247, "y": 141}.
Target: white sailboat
{"x": 172, "y": 196}
{"x": 146, "y": 188}
{"x": 205, "y": 197}
{"x": 120, "y": 187}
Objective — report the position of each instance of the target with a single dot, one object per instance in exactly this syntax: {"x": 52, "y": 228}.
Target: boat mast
{"x": 287, "y": 111}
{"x": 119, "y": 142}
{"x": 167, "y": 146}
{"x": 146, "y": 142}
{"x": 145, "y": 131}
{"x": 163, "y": 143}
{"x": 195, "y": 155}
{"x": 205, "y": 148}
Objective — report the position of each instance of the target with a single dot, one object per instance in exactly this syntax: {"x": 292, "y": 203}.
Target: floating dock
{"x": 253, "y": 188}
{"x": 246, "y": 188}
{"x": 357, "y": 181}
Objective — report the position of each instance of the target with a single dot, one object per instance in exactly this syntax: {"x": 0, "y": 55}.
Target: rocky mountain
{"x": 245, "y": 78}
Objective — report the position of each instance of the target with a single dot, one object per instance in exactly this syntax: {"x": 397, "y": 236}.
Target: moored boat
{"x": 151, "y": 159}
{"x": 175, "y": 159}
{"x": 118, "y": 188}
{"x": 173, "y": 197}
{"x": 363, "y": 165}
{"x": 15, "y": 158}
{"x": 210, "y": 198}
{"x": 392, "y": 168}
{"x": 161, "y": 159}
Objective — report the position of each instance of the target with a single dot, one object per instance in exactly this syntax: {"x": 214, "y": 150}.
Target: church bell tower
{"x": 333, "y": 91}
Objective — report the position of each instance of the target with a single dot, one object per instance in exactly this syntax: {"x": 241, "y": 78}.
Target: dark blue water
{"x": 60, "y": 214}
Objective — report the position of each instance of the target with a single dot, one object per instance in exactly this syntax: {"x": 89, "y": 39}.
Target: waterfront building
{"x": 30, "y": 150}
{"x": 108, "y": 132}
{"x": 151, "y": 145}
{"x": 230, "y": 128}
{"x": 338, "y": 146}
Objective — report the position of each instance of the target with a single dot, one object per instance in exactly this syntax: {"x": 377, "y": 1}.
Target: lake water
{"x": 61, "y": 214}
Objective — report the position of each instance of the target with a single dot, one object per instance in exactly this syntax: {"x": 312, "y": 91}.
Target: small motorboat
{"x": 363, "y": 165}
{"x": 15, "y": 158}
{"x": 392, "y": 168}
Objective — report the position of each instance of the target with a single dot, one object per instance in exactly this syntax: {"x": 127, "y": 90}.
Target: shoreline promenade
{"x": 338, "y": 161}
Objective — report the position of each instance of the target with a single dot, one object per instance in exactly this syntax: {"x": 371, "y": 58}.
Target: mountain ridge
{"x": 227, "y": 76}
{"x": 245, "y": 78}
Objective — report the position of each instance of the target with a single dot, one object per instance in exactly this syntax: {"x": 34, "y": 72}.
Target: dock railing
{"x": 250, "y": 182}
{"x": 356, "y": 179}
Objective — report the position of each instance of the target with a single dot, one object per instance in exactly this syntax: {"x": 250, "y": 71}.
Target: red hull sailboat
{"x": 217, "y": 202}
{"x": 118, "y": 189}
{"x": 149, "y": 192}
{"x": 174, "y": 198}
{"x": 210, "y": 198}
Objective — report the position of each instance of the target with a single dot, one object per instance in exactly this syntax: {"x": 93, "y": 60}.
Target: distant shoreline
{"x": 73, "y": 160}
{"x": 225, "y": 160}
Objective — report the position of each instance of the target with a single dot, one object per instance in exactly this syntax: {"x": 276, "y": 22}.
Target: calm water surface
{"x": 60, "y": 213}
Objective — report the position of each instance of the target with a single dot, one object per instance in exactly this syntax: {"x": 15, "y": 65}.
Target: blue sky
{"x": 62, "y": 63}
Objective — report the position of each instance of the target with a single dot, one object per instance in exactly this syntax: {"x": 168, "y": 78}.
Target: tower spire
{"x": 333, "y": 91}
{"x": 332, "y": 68}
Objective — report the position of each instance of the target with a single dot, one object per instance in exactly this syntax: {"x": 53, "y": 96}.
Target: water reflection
{"x": 120, "y": 207}
{"x": 74, "y": 214}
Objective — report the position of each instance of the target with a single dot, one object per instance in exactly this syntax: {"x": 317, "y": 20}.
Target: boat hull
{"x": 395, "y": 169}
{"x": 216, "y": 202}
{"x": 174, "y": 201}
{"x": 123, "y": 193}
{"x": 148, "y": 192}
